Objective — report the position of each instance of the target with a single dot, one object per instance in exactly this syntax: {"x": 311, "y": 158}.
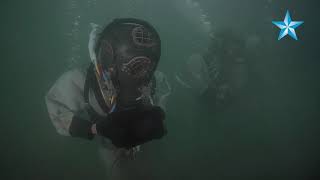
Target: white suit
{"x": 66, "y": 97}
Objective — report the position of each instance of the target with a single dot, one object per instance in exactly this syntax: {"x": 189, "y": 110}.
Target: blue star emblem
{"x": 287, "y": 26}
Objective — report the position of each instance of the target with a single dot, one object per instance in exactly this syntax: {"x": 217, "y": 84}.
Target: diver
{"x": 220, "y": 73}
{"x": 115, "y": 99}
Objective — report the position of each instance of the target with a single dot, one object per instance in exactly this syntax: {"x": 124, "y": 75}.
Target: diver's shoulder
{"x": 74, "y": 73}
{"x": 75, "y": 76}
{"x": 78, "y": 71}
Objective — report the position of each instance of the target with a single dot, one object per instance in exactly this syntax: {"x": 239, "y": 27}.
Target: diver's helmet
{"x": 127, "y": 53}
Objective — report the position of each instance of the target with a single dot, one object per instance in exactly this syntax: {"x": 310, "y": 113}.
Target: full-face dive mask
{"x": 127, "y": 53}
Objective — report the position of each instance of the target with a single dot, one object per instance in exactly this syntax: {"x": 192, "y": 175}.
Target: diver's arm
{"x": 162, "y": 90}
{"x": 94, "y": 129}
{"x": 66, "y": 105}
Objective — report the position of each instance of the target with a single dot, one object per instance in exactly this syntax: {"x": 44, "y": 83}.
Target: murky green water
{"x": 271, "y": 131}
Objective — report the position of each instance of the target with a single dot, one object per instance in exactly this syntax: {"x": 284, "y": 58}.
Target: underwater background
{"x": 271, "y": 131}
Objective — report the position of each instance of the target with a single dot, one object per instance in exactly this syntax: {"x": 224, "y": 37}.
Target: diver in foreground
{"x": 115, "y": 98}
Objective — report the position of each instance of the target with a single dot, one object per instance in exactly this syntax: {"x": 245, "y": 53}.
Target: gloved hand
{"x": 81, "y": 125}
{"x": 133, "y": 127}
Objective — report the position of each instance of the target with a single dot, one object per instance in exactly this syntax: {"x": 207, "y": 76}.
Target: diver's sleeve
{"x": 162, "y": 90}
{"x": 65, "y": 99}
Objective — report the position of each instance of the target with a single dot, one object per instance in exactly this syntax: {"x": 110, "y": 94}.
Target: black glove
{"x": 81, "y": 125}
{"x": 133, "y": 127}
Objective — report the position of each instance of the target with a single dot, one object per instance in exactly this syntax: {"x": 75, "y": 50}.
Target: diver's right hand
{"x": 109, "y": 128}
